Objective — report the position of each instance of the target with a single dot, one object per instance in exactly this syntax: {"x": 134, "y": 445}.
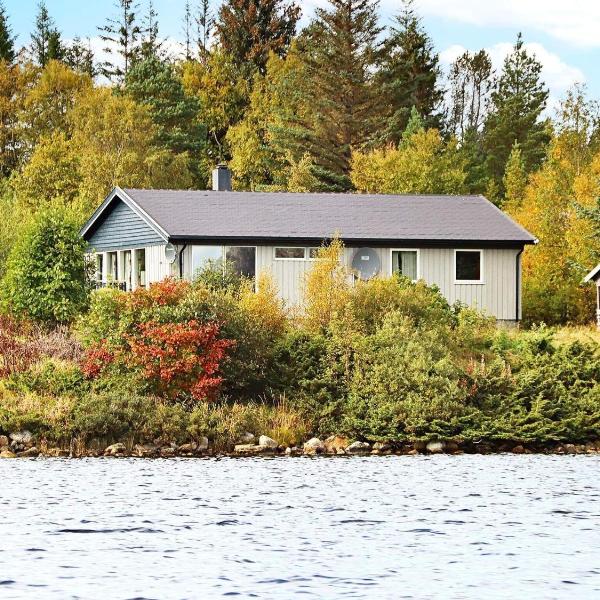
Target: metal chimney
{"x": 221, "y": 178}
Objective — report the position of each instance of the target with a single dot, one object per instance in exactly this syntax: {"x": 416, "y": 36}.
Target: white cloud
{"x": 576, "y": 22}
{"x": 558, "y": 75}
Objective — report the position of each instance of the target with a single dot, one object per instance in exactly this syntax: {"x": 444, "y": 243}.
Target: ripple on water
{"x": 372, "y": 527}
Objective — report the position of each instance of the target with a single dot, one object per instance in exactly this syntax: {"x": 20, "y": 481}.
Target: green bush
{"x": 46, "y": 273}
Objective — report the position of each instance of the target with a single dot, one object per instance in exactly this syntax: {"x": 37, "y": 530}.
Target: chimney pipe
{"x": 221, "y": 178}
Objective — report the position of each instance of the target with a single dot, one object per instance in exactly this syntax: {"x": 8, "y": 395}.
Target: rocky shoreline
{"x": 23, "y": 445}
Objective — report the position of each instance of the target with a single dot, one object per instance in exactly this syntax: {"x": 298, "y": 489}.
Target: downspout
{"x": 181, "y": 260}
{"x": 518, "y": 285}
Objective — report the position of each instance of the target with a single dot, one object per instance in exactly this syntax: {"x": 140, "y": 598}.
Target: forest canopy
{"x": 346, "y": 103}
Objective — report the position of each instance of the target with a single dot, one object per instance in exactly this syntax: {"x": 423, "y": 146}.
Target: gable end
{"x": 121, "y": 227}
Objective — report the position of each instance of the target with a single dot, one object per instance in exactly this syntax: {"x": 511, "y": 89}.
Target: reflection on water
{"x": 393, "y": 527}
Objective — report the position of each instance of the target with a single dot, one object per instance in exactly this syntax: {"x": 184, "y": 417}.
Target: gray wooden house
{"x": 594, "y": 275}
{"x": 463, "y": 244}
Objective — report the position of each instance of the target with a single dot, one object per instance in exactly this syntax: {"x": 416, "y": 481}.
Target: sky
{"x": 565, "y": 36}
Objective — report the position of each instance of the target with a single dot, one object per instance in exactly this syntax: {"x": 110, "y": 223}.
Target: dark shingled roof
{"x": 355, "y": 217}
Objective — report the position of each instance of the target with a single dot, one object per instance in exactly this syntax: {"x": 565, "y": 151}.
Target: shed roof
{"x": 204, "y": 215}
{"x": 593, "y": 275}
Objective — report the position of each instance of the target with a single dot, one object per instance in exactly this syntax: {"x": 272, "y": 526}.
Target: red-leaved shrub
{"x": 173, "y": 358}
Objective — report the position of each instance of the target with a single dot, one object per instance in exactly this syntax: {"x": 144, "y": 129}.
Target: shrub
{"x": 45, "y": 278}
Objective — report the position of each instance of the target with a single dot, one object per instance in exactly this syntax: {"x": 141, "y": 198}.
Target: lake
{"x": 499, "y": 526}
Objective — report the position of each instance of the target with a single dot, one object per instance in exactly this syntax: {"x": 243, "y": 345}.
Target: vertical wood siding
{"x": 496, "y": 295}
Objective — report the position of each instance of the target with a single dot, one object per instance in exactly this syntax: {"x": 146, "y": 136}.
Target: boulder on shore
{"x": 250, "y": 449}
{"x": 21, "y": 437}
{"x": 29, "y": 453}
{"x": 247, "y": 438}
{"x": 6, "y": 453}
{"x": 266, "y": 442}
{"x": 3, "y": 441}
{"x": 358, "y": 448}
{"x": 202, "y": 445}
{"x": 334, "y": 443}
{"x": 314, "y": 446}
{"x": 435, "y": 447}
{"x": 145, "y": 450}
{"x": 115, "y": 449}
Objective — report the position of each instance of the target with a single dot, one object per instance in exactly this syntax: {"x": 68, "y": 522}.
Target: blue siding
{"x": 123, "y": 228}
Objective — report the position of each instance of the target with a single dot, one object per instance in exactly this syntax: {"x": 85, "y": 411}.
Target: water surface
{"x": 378, "y": 527}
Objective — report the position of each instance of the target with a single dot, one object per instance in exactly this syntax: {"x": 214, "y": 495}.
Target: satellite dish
{"x": 366, "y": 263}
{"x": 170, "y": 253}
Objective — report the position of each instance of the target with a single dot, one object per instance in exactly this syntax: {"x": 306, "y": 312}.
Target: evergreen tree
{"x": 410, "y": 75}
{"x": 155, "y": 84}
{"x": 123, "y": 38}
{"x": 151, "y": 44}
{"x": 249, "y": 29}
{"x": 517, "y": 104}
{"x": 205, "y": 23}
{"x": 80, "y": 58}
{"x": 7, "y": 40}
{"x": 471, "y": 81}
{"x": 343, "y": 103}
{"x": 515, "y": 179}
{"x": 187, "y": 29}
{"x": 46, "y": 43}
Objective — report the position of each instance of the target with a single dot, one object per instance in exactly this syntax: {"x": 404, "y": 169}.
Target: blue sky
{"x": 564, "y": 35}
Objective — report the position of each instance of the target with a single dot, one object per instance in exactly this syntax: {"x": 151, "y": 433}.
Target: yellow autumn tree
{"x": 422, "y": 164}
{"x": 553, "y": 270}
{"x": 326, "y": 287}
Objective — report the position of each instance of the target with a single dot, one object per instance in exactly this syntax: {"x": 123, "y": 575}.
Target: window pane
{"x": 405, "y": 263}
{"x": 242, "y": 259}
{"x": 289, "y": 252}
{"x": 141, "y": 266}
{"x": 468, "y": 266}
{"x": 99, "y": 263}
{"x": 313, "y": 252}
{"x": 204, "y": 255}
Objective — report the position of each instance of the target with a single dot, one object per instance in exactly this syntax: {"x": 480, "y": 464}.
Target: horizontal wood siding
{"x": 123, "y": 228}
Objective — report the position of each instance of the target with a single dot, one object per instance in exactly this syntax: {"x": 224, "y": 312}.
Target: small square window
{"x": 313, "y": 253}
{"x": 289, "y": 253}
{"x": 468, "y": 266}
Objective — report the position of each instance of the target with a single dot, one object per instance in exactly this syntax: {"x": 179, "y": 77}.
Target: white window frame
{"x": 417, "y": 250}
{"x": 306, "y": 253}
{"x": 481, "y": 280}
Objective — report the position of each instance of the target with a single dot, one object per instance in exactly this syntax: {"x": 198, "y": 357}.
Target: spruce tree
{"x": 79, "y": 57}
{"x": 410, "y": 75}
{"x": 46, "y": 42}
{"x": 187, "y": 26}
{"x": 249, "y": 29}
{"x": 151, "y": 44}
{"x": 341, "y": 55}
{"x": 515, "y": 115}
{"x": 155, "y": 84}
{"x": 122, "y": 34}
{"x": 7, "y": 40}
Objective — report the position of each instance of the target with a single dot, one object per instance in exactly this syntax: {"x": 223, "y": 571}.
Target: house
{"x": 594, "y": 275}
{"x": 463, "y": 244}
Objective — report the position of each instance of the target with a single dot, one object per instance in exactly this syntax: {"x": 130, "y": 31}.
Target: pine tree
{"x": 7, "y": 40}
{"x": 46, "y": 43}
{"x": 205, "y": 23}
{"x": 249, "y": 29}
{"x": 410, "y": 75}
{"x": 471, "y": 81}
{"x": 123, "y": 38}
{"x": 515, "y": 114}
{"x": 341, "y": 55}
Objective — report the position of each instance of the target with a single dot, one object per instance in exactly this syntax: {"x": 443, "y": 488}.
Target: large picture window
{"x": 242, "y": 260}
{"x": 203, "y": 256}
{"x": 405, "y": 262}
{"x": 468, "y": 266}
